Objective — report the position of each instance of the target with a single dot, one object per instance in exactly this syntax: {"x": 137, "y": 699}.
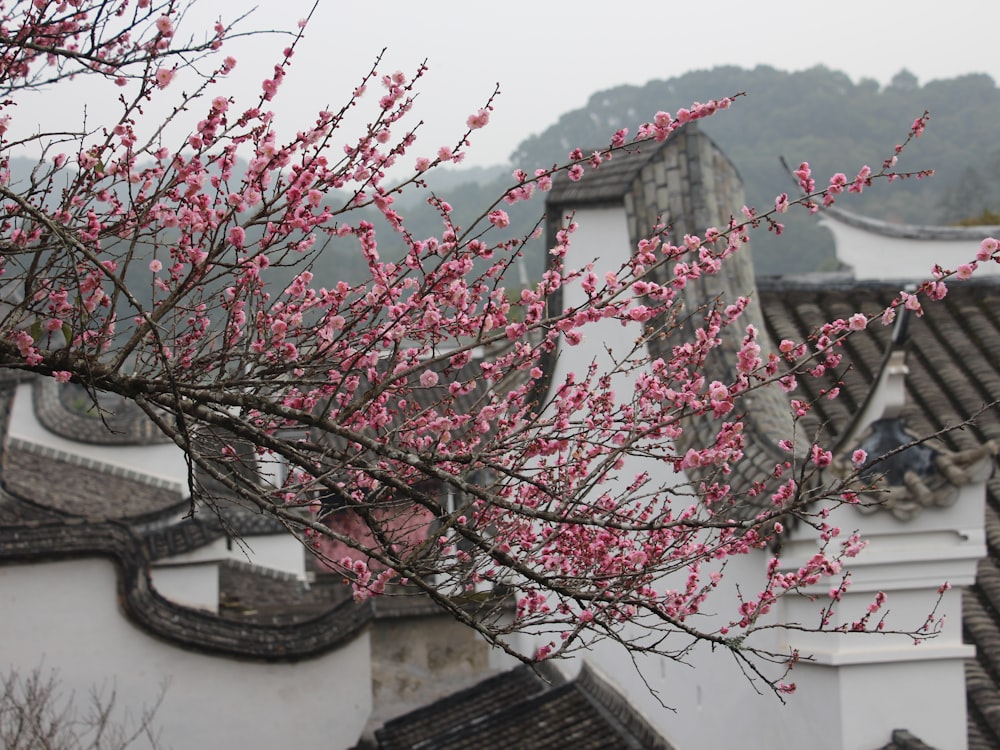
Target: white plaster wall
{"x": 65, "y": 616}
{"x": 276, "y": 551}
{"x": 862, "y": 687}
{"x": 705, "y": 700}
{"x": 195, "y": 585}
{"x": 192, "y": 578}
{"x": 875, "y": 256}
{"x": 603, "y": 240}
{"x": 163, "y": 462}
{"x": 279, "y": 551}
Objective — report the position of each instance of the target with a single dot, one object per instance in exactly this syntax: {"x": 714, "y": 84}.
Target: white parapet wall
{"x": 63, "y": 617}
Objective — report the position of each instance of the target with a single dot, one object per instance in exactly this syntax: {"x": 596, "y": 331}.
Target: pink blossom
{"x": 155, "y": 266}
{"x": 822, "y": 458}
{"x": 499, "y": 218}
{"x": 718, "y": 391}
{"x": 61, "y": 376}
{"x": 478, "y": 120}
{"x": 237, "y": 236}
{"x": 857, "y": 322}
{"x": 987, "y": 248}
{"x": 788, "y": 383}
{"x": 428, "y": 378}
{"x": 859, "y": 457}
{"x": 965, "y": 271}
{"x": 640, "y": 313}
{"x": 804, "y": 175}
{"x": 911, "y": 302}
{"x": 575, "y": 173}
{"x": 163, "y": 77}
{"x": 165, "y": 26}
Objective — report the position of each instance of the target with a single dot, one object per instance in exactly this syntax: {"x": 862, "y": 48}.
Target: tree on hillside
{"x": 405, "y": 421}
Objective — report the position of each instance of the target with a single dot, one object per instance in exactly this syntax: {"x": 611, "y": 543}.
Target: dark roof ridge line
{"x": 171, "y": 622}
{"x": 617, "y": 710}
{"x": 925, "y": 232}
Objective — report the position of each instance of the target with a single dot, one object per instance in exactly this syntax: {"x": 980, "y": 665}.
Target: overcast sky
{"x": 549, "y": 56}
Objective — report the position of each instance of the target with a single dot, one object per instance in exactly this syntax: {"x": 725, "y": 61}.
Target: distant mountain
{"x": 821, "y": 116}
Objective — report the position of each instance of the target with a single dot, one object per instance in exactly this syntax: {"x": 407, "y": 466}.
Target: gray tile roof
{"x": 524, "y": 710}
{"x": 69, "y": 411}
{"x": 904, "y": 740}
{"x": 78, "y": 490}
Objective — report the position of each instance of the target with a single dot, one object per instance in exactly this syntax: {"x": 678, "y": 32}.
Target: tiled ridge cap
{"x": 688, "y": 183}
{"x": 171, "y": 622}
{"x": 128, "y": 425}
{"x": 48, "y": 451}
{"x": 908, "y": 231}
{"x": 188, "y": 534}
{"x": 606, "y": 698}
{"x": 262, "y": 570}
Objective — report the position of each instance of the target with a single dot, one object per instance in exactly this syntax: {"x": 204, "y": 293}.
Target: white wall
{"x": 705, "y": 700}
{"x": 878, "y": 257}
{"x": 65, "y": 616}
{"x": 192, "y": 578}
{"x": 163, "y": 463}
{"x": 193, "y": 585}
{"x": 279, "y": 551}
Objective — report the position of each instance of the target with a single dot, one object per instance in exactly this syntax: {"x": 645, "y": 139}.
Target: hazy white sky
{"x": 550, "y": 55}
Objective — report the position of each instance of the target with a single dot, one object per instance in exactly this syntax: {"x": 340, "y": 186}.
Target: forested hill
{"x": 836, "y": 124}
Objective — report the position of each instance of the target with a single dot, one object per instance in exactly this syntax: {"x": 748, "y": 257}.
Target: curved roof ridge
{"x": 125, "y": 424}
{"x": 919, "y": 232}
{"x": 191, "y": 628}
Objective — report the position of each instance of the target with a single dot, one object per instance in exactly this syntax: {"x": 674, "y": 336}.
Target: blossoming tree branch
{"x": 403, "y": 428}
